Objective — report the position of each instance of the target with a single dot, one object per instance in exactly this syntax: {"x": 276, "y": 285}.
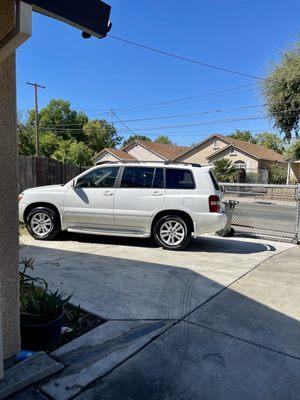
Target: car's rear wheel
{"x": 43, "y": 223}
{"x": 172, "y": 232}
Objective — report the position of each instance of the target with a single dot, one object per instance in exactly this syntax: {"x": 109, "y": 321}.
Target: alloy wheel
{"x": 172, "y": 232}
{"x": 41, "y": 224}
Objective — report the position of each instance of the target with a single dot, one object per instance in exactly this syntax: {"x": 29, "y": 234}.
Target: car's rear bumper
{"x": 209, "y": 222}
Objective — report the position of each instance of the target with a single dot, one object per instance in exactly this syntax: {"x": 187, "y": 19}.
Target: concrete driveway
{"x": 133, "y": 279}
{"x": 219, "y": 320}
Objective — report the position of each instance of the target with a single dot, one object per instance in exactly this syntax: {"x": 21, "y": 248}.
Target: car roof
{"x": 148, "y": 164}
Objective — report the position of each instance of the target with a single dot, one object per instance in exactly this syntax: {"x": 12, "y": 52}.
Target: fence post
{"x": 297, "y": 233}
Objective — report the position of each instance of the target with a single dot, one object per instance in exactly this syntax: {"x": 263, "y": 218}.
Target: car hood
{"x": 44, "y": 188}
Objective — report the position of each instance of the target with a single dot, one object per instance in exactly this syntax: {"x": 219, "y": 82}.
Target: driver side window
{"x": 99, "y": 178}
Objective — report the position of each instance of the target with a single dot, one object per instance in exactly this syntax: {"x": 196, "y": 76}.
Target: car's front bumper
{"x": 22, "y": 207}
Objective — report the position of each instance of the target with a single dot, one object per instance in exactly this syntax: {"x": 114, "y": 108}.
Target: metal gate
{"x": 266, "y": 210}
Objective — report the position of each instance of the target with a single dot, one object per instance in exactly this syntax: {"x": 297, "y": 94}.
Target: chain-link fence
{"x": 266, "y": 210}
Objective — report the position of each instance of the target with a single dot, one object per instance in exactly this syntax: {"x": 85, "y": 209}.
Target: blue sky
{"x": 99, "y": 75}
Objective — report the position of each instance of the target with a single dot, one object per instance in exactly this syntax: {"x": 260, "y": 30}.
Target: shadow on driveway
{"x": 201, "y": 243}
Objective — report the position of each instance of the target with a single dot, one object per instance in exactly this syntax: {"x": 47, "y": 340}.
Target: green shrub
{"x": 278, "y": 174}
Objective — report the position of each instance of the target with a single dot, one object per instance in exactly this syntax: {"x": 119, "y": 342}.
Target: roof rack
{"x": 148, "y": 162}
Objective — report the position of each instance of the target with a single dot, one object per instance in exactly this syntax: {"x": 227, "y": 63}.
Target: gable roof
{"x": 166, "y": 151}
{"x": 120, "y": 154}
{"x": 259, "y": 152}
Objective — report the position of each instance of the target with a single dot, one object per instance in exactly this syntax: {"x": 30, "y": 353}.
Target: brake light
{"x": 21, "y": 196}
{"x": 214, "y": 203}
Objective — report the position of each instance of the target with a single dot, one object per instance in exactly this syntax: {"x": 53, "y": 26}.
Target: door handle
{"x": 156, "y": 193}
{"x": 108, "y": 193}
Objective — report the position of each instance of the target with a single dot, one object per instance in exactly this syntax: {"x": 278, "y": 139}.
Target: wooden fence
{"x": 39, "y": 171}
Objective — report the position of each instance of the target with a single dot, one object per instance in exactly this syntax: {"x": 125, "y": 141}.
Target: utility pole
{"x": 37, "y": 136}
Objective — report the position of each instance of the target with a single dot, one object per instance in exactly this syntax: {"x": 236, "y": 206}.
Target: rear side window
{"x": 214, "y": 180}
{"x": 158, "y": 181}
{"x": 179, "y": 179}
{"x": 137, "y": 177}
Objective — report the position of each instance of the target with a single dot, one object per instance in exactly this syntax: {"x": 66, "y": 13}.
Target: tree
{"x": 293, "y": 152}
{"x": 58, "y": 117}
{"x": 49, "y": 143}
{"x": 224, "y": 170}
{"x": 270, "y": 141}
{"x": 80, "y": 154}
{"x": 281, "y": 89}
{"x": 100, "y": 134}
{"x": 63, "y": 152}
{"x": 246, "y": 136}
{"x": 132, "y": 138}
{"x": 163, "y": 139}
{"x": 26, "y": 142}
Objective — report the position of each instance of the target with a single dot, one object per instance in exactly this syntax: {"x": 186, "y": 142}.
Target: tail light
{"x": 214, "y": 203}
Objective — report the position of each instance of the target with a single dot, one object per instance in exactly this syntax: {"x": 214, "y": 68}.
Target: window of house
{"x": 179, "y": 179}
{"x": 240, "y": 164}
{"x": 99, "y": 178}
{"x": 137, "y": 177}
{"x": 232, "y": 151}
{"x": 216, "y": 144}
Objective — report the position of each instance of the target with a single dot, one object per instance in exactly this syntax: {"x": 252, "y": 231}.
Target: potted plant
{"x": 42, "y": 312}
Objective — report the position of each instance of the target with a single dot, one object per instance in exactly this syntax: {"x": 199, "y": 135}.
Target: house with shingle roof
{"x": 248, "y": 157}
{"x": 141, "y": 150}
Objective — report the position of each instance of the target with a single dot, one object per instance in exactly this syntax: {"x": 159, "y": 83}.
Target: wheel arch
{"x": 41, "y": 204}
{"x": 179, "y": 213}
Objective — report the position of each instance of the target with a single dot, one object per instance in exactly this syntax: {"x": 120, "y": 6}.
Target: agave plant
{"x": 38, "y": 304}
{"x": 224, "y": 170}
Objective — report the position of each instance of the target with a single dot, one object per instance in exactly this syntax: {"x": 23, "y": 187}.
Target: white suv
{"x": 167, "y": 201}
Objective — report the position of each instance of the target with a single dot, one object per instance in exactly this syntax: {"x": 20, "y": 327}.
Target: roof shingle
{"x": 260, "y": 152}
{"x": 167, "y": 151}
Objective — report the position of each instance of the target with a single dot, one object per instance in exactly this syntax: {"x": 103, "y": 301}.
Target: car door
{"x": 140, "y": 195}
{"x": 90, "y": 203}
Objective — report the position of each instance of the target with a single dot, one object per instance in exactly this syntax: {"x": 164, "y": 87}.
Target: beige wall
{"x": 142, "y": 154}
{"x": 295, "y": 171}
{"x": 201, "y": 153}
{"x": 9, "y": 241}
{"x": 105, "y": 157}
{"x": 251, "y": 162}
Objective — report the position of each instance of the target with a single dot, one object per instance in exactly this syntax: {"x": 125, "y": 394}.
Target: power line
{"x": 123, "y": 123}
{"x": 225, "y": 120}
{"x": 166, "y": 53}
{"x": 173, "y": 116}
{"x": 169, "y": 103}
{"x": 186, "y": 99}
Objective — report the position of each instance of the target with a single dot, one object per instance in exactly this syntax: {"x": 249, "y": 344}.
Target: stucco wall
{"x": 142, "y": 154}
{"x": 295, "y": 171}
{"x": 200, "y": 154}
{"x": 251, "y": 162}
{"x": 9, "y": 241}
{"x": 105, "y": 157}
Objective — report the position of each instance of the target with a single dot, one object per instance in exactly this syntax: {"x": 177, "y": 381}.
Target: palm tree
{"x": 224, "y": 170}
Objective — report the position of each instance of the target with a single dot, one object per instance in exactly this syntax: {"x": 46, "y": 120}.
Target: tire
{"x": 43, "y": 223}
{"x": 176, "y": 239}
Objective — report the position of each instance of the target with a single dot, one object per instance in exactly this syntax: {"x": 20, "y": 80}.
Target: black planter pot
{"x": 37, "y": 337}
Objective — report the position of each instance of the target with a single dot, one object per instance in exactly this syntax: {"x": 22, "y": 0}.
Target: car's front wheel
{"x": 43, "y": 223}
{"x": 172, "y": 232}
